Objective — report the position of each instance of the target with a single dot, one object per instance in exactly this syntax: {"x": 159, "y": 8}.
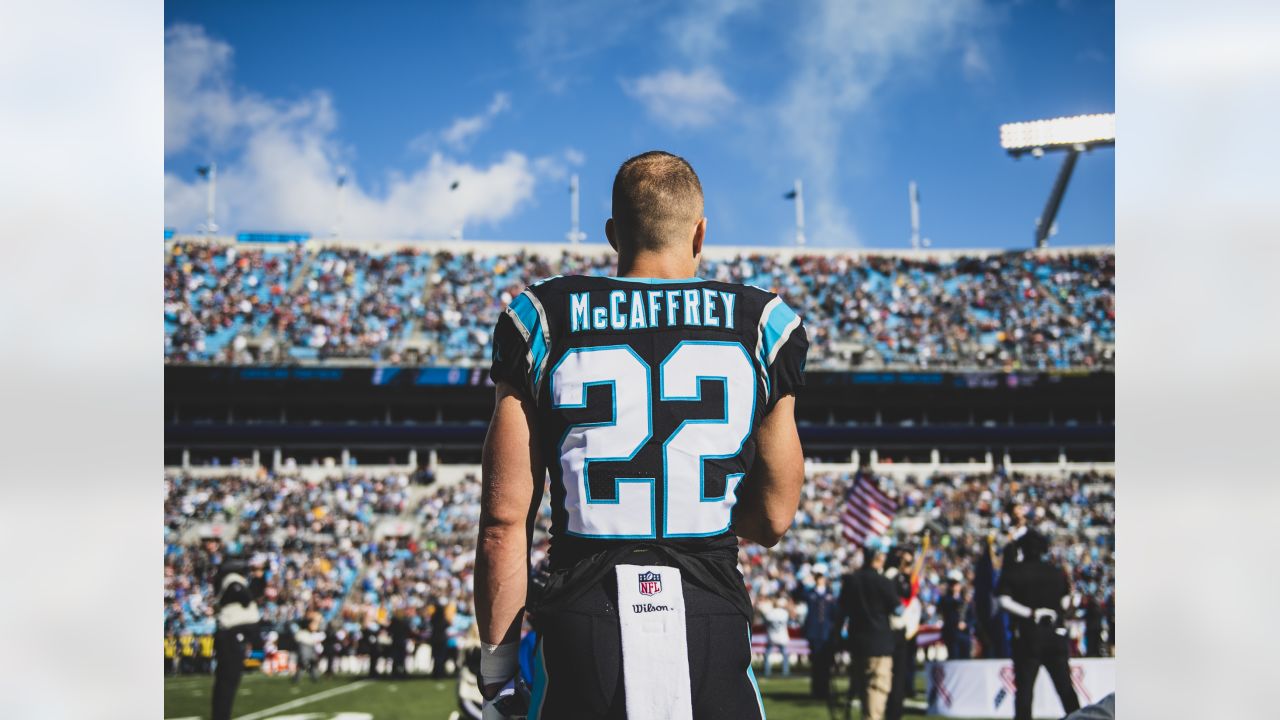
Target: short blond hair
{"x": 657, "y": 199}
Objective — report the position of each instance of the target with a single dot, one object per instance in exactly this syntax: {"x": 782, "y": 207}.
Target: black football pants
{"x": 578, "y": 674}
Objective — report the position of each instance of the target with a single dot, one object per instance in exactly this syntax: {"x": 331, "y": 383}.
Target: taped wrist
{"x": 498, "y": 663}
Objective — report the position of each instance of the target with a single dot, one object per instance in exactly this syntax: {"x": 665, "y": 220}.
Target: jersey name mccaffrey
{"x": 644, "y": 309}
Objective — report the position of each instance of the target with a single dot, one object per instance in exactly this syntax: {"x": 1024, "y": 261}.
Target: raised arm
{"x": 511, "y": 490}
{"x": 770, "y": 494}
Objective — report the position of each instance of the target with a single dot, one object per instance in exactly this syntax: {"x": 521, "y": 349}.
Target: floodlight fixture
{"x": 1081, "y": 132}
{"x": 1074, "y": 135}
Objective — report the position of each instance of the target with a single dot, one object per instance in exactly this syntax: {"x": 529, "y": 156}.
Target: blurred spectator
{"x": 820, "y": 618}
{"x": 956, "y": 612}
{"x": 777, "y": 622}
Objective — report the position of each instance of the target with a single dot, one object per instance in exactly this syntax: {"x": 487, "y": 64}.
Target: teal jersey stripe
{"x": 778, "y": 321}
{"x": 524, "y": 309}
{"x": 538, "y": 692}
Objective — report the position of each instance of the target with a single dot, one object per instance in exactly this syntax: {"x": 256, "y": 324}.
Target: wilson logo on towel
{"x": 650, "y": 583}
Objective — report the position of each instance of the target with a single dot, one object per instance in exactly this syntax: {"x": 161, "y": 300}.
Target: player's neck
{"x": 658, "y": 266}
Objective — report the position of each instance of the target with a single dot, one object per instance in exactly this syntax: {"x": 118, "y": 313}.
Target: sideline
{"x": 304, "y": 700}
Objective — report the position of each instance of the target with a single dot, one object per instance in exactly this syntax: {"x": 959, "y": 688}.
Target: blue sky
{"x": 856, "y": 97}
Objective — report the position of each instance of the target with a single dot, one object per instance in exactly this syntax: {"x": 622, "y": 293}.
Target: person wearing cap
{"x": 819, "y": 629}
{"x": 956, "y": 611}
{"x": 1035, "y": 593}
{"x": 867, "y": 600}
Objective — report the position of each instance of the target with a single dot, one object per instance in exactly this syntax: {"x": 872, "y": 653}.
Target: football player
{"x": 662, "y": 406}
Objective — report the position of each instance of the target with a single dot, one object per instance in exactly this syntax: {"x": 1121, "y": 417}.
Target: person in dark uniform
{"x": 1034, "y": 593}
{"x": 956, "y": 612}
{"x": 901, "y": 574}
{"x": 820, "y": 618}
{"x": 440, "y": 622}
{"x": 1092, "y": 626}
{"x": 399, "y": 630}
{"x": 867, "y": 600}
{"x": 370, "y": 646}
{"x": 237, "y": 617}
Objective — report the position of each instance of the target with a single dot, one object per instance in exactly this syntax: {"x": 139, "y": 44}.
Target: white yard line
{"x": 304, "y": 700}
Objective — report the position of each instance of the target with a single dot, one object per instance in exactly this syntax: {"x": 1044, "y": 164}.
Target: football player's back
{"x": 661, "y": 405}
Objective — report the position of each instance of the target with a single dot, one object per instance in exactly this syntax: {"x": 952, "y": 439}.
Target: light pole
{"x": 210, "y": 173}
{"x": 575, "y": 234}
{"x": 797, "y": 194}
{"x": 342, "y": 183}
{"x": 913, "y": 193}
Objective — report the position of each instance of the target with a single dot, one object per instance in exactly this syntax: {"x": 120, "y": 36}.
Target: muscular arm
{"x": 770, "y": 494}
{"x": 511, "y": 490}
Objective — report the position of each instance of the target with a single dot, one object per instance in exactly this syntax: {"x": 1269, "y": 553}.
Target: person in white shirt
{"x": 309, "y": 639}
{"x": 777, "y": 619}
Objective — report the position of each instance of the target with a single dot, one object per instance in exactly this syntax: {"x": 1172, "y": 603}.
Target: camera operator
{"x": 238, "y": 617}
{"x": 1034, "y": 593}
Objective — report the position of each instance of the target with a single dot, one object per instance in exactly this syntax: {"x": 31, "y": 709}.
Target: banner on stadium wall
{"x": 984, "y": 688}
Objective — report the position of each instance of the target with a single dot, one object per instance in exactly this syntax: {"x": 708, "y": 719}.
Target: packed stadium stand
{"x": 325, "y": 405}
{"x": 238, "y": 303}
{"x": 362, "y": 549}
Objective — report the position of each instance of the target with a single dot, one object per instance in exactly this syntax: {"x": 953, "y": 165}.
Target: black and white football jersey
{"x": 648, "y": 395}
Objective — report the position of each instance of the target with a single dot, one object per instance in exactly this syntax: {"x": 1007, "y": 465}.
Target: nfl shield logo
{"x": 650, "y": 583}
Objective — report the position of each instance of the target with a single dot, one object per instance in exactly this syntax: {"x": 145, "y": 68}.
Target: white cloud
{"x": 556, "y": 167}
{"x": 682, "y": 99}
{"x": 460, "y": 133}
{"x": 281, "y": 160}
{"x": 560, "y": 32}
{"x": 698, "y": 33}
{"x": 847, "y": 50}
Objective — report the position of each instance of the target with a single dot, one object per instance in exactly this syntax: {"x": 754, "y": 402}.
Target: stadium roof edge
{"x": 718, "y": 252}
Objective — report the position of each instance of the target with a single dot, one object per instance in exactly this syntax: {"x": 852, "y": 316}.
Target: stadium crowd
{"x": 1012, "y": 310}
{"x": 387, "y": 566}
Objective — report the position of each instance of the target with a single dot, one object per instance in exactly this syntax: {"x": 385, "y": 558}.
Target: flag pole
{"x": 575, "y": 234}
{"x": 913, "y": 192}
{"x": 209, "y": 226}
{"x": 342, "y": 183}
{"x": 799, "y": 191}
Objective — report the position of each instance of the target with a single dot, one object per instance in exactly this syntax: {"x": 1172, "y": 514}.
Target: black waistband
{"x": 713, "y": 568}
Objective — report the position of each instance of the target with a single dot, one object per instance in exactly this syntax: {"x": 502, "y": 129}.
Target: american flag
{"x": 868, "y": 512}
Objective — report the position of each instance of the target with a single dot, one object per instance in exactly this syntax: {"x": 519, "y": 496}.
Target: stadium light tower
{"x": 1074, "y": 135}
{"x": 575, "y": 234}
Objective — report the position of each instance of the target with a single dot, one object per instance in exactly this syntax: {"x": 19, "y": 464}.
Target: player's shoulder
{"x": 559, "y": 285}
{"x": 767, "y": 303}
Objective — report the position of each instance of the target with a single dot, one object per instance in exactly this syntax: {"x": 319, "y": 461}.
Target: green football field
{"x": 263, "y": 698}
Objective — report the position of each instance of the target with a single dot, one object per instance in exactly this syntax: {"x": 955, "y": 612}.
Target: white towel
{"x": 655, "y": 653}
